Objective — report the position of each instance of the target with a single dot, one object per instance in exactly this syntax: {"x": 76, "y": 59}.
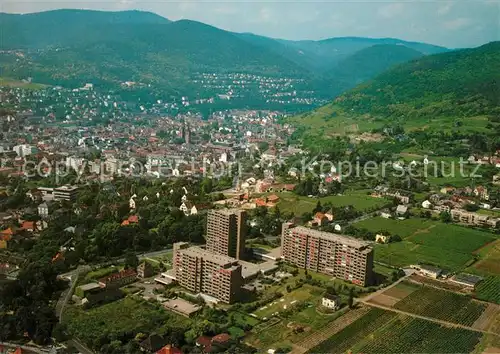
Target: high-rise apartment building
{"x": 328, "y": 253}
{"x": 201, "y": 271}
{"x": 226, "y": 232}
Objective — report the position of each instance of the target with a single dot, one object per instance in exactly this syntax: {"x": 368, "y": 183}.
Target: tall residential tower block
{"x": 226, "y": 232}
{"x": 341, "y": 257}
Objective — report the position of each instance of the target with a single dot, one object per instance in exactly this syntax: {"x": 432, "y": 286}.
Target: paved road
{"x": 408, "y": 272}
{"x": 80, "y": 346}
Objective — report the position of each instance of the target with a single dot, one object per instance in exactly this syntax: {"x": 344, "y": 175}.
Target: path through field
{"x": 444, "y": 323}
{"x": 484, "y": 322}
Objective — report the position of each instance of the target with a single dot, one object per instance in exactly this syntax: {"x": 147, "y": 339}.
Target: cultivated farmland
{"x": 355, "y": 332}
{"x": 442, "y": 305}
{"x": 382, "y": 331}
{"x": 426, "y": 241}
{"x": 489, "y": 289}
{"x": 413, "y": 335}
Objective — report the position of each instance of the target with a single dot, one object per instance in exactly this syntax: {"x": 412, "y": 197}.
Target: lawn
{"x": 403, "y": 228}
{"x": 99, "y": 273}
{"x": 281, "y": 332}
{"x": 494, "y": 213}
{"x": 453, "y": 237}
{"x": 6, "y": 82}
{"x": 426, "y": 241}
{"x": 490, "y": 260}
{"x": 358, "y": 199}
{"x": 403, "y": 254}
{"x": 119, "y": 319}
{"x": 304, "y": 293}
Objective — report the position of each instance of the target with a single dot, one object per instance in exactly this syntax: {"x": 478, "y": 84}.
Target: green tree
{"x": 350, "y": 299}
{"x": 131, "y": 260}
{"x": 445, "y": 217}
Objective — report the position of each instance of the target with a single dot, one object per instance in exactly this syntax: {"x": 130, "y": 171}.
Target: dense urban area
{"x": 256, "y": 215}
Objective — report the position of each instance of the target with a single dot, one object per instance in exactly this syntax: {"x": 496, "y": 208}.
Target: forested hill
{"x": 67, "y": 27}
{"x": 72, "y": 47}
{"x": 366, "y": 64}
{"x": 462, "y": 83}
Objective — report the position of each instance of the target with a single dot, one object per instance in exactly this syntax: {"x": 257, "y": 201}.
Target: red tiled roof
{"x": 319, "y": 215}
{"x": 116, "y": 276}
{"x": 28, "y": 225}
{"x": 133, "y": 219}
{"x": 204, "y": 341}
{"x": 221, "y": 338}
{"x": 168, "y": 349}
{"x": 273, "y": 198}
{"x": 6, "y": 235}
{"x": 260, "y": 202}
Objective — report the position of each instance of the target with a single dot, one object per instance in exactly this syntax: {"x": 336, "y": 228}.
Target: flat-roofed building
{"x": 226, "y": 232}
{"x": 328, "y": 253}
{"x": 202, "y": 271}
{"x": 470, "y": 218}
{"x": 68, "y": 193}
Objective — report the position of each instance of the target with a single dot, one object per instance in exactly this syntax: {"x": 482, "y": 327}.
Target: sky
{"x": 454, "y": 24}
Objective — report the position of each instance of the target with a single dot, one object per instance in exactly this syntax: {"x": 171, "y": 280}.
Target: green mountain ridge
{"x": 464, "y": 82}
{"x": 457, "y": 91}
{"x": 72, "y": 47}
{"x": 366, "y": 64}
{"x": 324, "y": 55}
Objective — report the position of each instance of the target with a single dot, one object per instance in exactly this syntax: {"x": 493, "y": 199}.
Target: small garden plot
{"x": 442, "y": 305}
{"x": 401, "y": 290}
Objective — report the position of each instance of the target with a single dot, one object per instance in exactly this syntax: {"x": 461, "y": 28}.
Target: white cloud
{"x": 445, "y": 8}
{"x": 391, "y": 10}
{"x": 225, "y": 9}
{"x": 457, "y": 23}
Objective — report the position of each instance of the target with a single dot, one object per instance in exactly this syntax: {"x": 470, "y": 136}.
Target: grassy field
{"x": 382, "y": 331}
{"x": 402, "y": 254}
{"x": 305, "y": 293}
{"x": 490, "y": 260}
{"x": 442, "y": 305}
{"x": 6, "y": 82}
{"x": 99, "y": 273}
{"x": 494, "y": 213}
{"x": 280, "y": 333}
{"x": 403, "y": 228}
{"x": 426, "y": 241}
{"x": 299, "y": 205}
{"x": 119, "y": 319}
{"x": 332, "y": 120}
